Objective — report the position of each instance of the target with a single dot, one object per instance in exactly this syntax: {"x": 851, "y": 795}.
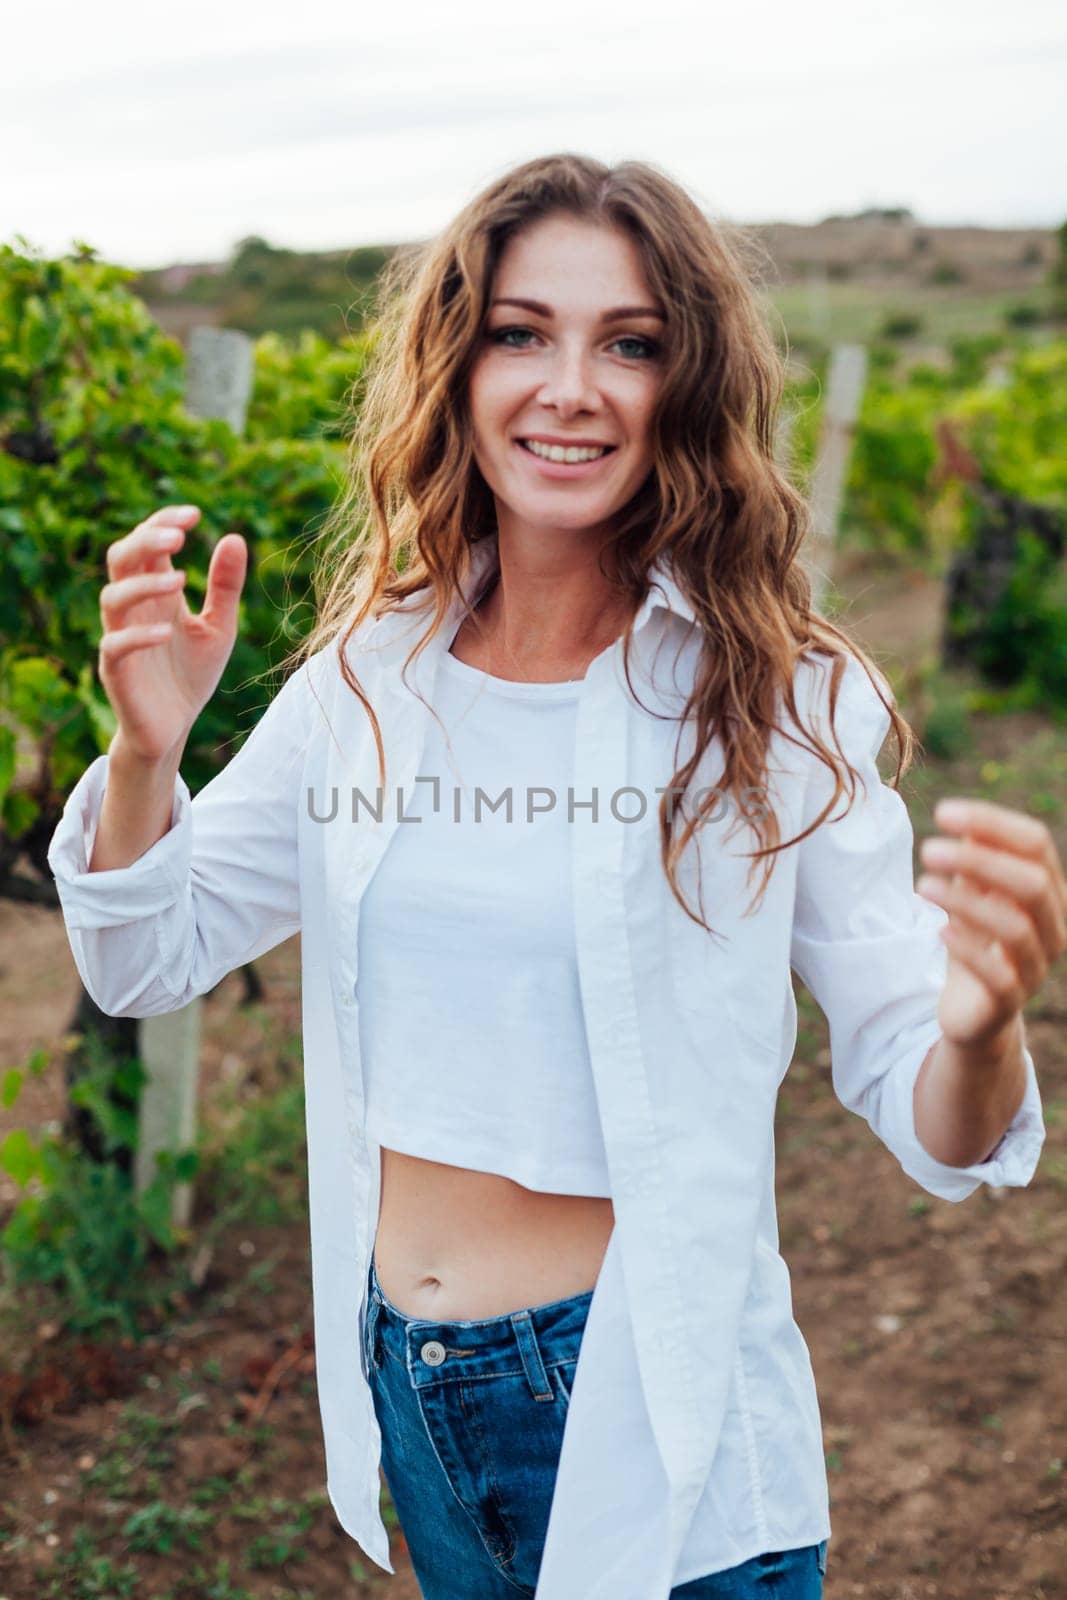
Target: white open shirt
{"x": 693, "y": 1438}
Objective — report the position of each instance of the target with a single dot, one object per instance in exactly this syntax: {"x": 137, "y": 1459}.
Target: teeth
{"x": 558, "y": 452}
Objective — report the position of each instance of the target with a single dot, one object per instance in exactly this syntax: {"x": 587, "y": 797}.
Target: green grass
{"x": 856, "y": 311}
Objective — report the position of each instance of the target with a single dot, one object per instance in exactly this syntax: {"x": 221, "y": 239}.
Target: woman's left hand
{"x": 1001, "y": 880}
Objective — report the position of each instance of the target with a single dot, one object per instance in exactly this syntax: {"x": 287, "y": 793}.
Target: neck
{"x": 542, "y": 619}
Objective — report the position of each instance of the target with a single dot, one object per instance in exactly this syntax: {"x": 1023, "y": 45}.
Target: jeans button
{"x": 432, "y": 1353}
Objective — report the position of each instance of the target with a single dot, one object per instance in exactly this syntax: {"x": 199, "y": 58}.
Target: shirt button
{"x": 432, "y": 1353}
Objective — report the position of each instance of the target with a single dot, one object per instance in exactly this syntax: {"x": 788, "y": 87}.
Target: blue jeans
{"x": 471, "y": 1465}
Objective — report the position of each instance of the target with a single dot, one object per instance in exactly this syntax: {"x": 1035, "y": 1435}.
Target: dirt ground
{"x": 937, "y": 1331}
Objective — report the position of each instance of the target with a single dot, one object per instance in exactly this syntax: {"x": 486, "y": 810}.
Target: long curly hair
{"x": 715, "y": 503}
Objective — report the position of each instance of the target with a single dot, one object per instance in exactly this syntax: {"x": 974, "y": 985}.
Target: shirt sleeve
{"x": 218, "y": 889}
{"x": 867, "y": 946}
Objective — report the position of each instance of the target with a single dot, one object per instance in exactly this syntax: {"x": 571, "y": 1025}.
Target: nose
{"x": 569, "y": 386}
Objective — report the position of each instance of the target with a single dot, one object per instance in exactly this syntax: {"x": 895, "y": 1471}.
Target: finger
{"x": 116, "y": 598}
{"x": 989, "y": 963}
{"x": 149, "y": 546}
{"x": 1004, "y": 826}
{"x": 115, "y": 646}
{"x": 146, "y": 549}
{"x": 225, "y": 580}
{"x": 1019, "y": 878}
{"x": 1025, "y": 956}
{"x": 988, "y": 916}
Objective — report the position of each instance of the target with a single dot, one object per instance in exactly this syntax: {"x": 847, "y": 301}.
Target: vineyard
{"x": 160, "y": 1433}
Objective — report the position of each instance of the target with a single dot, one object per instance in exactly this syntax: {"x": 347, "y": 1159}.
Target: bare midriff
{"x": 457, "y": 1244}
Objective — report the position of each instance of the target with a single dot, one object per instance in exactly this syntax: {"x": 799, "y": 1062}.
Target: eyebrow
{"x": 615, "y": 315}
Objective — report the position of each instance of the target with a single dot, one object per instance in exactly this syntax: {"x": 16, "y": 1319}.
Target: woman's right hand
{"x": 159, "y": 663}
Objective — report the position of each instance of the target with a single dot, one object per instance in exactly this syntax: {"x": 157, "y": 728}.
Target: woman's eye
{"x": 646, "y": 348}
{"x": 502, "y": 334}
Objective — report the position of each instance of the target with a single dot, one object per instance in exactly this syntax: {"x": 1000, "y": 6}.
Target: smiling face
{"x": 577, "y": 364}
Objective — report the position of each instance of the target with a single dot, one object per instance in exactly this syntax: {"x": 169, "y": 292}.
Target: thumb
{"x": 225, "y": 580}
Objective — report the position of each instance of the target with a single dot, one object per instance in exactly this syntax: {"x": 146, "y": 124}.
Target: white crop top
{"x": 470, "y": 1014}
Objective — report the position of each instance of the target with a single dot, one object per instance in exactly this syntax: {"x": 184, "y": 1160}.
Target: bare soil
{"x": 937, "y": 1331}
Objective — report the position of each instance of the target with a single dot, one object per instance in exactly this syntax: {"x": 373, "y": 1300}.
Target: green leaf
{"x": 101, "y": 712}
{"x": 20, "y": 1157}
{"x": 153, "y": 1206}
{"x": 38, "y": 1061}
{"x": 10, "y": 1085}
{"x": 19, "y": 811}
{"x": 7, "y": 760}
{"x": 187, "y": 1165}
{"x": 40, "y": 332}
{"x": 37, "y": 693}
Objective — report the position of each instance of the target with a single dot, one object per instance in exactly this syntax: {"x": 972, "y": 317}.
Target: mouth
{"x": 567, "y": 462}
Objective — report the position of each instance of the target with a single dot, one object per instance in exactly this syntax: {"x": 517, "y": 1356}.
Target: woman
{"x": 540, "y": 1080}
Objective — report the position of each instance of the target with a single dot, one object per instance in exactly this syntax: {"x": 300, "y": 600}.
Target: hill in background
{"x": 879, "y": 259}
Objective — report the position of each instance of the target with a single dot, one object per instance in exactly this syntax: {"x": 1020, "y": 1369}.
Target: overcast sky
{"x": 167, "y": 133}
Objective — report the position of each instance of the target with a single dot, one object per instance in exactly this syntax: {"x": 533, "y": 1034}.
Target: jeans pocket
{"x": 820, "y": 1556}
{"x": 367, "y": 1329}
{"x": 564, "y": 1379}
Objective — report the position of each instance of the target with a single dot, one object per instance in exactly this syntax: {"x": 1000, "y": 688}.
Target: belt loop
{"x": 533, "y": 1366}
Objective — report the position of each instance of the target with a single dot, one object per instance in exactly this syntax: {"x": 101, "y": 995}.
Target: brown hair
{"x": 729, "y": 521}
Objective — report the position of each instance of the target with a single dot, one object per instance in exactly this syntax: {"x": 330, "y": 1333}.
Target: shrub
{"x": 1023, "y": 315}
{"x": 94, "y": 436}
{"x": 901, "y": 325}
{"x": 946, "y": 272}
